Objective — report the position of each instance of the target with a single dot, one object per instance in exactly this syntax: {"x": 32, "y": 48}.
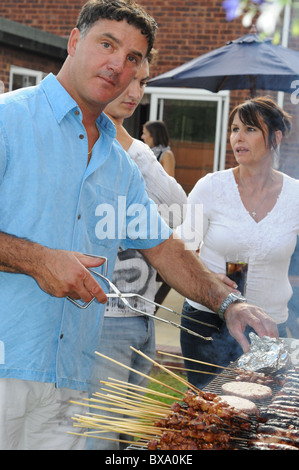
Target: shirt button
{"x": 81, "y": 136}
{"x": 77, "y": 113}
{"x": 61, "y": 336}
{"x": 79, "y": 216}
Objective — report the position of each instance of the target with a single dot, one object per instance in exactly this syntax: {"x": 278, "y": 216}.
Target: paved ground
{"x": 168, "y": 336}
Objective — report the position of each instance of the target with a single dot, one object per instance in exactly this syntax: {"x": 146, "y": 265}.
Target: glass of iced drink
{"x": 236, "y": 270}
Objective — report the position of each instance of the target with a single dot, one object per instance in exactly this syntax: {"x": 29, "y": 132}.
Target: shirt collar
{"x": 59, "y": 99}
{"x": 62, "y": 103}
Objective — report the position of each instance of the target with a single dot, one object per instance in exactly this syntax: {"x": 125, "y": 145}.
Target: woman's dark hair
{"x": 118, "y": 10}
{"x": 159, "y": 132}
{"x": 260, "y": 112}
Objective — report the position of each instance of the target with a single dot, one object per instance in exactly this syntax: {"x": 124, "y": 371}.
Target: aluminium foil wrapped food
{"x": 266, "y": 354}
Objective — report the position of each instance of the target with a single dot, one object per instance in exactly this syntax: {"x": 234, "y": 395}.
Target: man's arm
{"x": 163, "y": 189}
{"x": 58, "y": 272}
{"x": 183, "y": 271}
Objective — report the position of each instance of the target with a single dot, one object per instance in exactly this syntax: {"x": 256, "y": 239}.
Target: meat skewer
{"x": 268, "y": 413}
{"x": 273, "y": 438}
{"x": 274, "y": 429}
{"x": 271, "y": 446}
{"x": 285, "y": 408}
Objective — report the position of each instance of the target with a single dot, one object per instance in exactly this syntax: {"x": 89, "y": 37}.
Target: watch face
{"x": 239, "y": 297}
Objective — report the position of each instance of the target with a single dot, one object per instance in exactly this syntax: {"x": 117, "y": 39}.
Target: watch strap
{"x": 231, "y": 298}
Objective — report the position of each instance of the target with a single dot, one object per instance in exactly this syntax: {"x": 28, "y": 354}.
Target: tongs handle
{"x": 123, "y": 298}
{"x": 85, "y": 305}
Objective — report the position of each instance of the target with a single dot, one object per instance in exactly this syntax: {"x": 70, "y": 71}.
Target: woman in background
{"x": 155, "y": 135}
{"x": 252, "y": 210}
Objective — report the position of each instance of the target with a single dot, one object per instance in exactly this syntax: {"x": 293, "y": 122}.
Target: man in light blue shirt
{"x": 68, "y": 188}
{"x": 64, "y": 208}
{"x": 54, "y": 199}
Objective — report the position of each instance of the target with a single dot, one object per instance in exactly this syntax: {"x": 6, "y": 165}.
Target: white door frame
{"x": 222, "y": 98}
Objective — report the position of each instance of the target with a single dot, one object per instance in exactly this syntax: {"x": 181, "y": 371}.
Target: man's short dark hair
{"x": 118, "y": 10}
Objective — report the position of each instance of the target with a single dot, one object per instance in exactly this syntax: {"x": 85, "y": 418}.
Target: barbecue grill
{"x": 199, "y": 419}
{"x": 243, "y": 440}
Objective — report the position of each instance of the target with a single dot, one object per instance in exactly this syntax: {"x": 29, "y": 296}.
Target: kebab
{"x": 258, "y": 377}
{"x": 271, "y": 446}
{"x": 275, "y": 429}
{"x": 187, "y": 440}
{"x": 279, "y": 422}
{"x": 274, "y": 438}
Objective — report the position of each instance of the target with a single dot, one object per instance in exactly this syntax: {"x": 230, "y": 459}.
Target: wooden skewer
{"x": 195, "y": 360}
{"x": 129, "y": 391}
{"x": 108, "y": 439}
{"x": 121, "y": 426}
{"x": 112, "y": 424}
{"x": 183, "y": 381}
{"x": 129, "y": 412}
{"x": 140, "y": 373}
{"x": 149, "y": 392}
{"x": 155, "y": 406}
{"x": 147, "y": 432}
{"x": 121, "y": 398}
{"x": 113, "y": 421}
{"x": 118, "y": 426}
{"x": 200, "y": 372}
{"x": 141, "y": 389}
{"x": 130, "y": 405}
{"x": 143, "y": 399}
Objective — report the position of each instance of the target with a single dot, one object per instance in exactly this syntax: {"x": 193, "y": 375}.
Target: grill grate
{"x": 215, "y": 386}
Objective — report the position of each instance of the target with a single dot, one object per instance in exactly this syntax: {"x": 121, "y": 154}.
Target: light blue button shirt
{"x": 49, "y": 195}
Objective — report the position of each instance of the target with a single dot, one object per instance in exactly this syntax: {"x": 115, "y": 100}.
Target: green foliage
{"x": 166, "y": 379}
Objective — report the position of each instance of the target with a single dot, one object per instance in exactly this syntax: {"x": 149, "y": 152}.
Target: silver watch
{"x": 231, "y": 298}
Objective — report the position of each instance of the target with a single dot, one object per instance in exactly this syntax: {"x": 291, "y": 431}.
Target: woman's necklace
{"x": 253, "y": 212}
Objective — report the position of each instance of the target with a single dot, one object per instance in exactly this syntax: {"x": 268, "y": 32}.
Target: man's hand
{"x": 185, "y": 273}
{"x": 60, "y": 273}
{"x": 64, "y": 273}
{"x": 239, "y": 315}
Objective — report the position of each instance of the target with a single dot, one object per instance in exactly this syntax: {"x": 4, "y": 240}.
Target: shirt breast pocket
{"x": 107, "y": 218}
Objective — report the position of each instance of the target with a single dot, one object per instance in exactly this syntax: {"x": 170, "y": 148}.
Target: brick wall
{"x": 186, "y": 29}
{"x": 54, "y": 16}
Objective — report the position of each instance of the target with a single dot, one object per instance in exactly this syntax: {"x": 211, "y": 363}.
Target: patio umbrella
{"x": 247, "y": 63}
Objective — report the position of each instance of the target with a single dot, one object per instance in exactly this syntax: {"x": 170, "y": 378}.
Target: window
{"x": 191, "y": 121}
{"x": 197, "y": 125}
{"x": 21, "y": 77}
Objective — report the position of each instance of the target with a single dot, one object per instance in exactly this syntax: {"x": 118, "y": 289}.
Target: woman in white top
{"x": 250, "y": 210}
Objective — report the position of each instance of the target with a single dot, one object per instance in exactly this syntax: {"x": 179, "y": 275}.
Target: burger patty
{"x": 249, "y": 390}
{"x": 240, "y": 404}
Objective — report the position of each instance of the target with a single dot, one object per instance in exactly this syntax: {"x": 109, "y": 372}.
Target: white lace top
{"x": 229, "y": 228}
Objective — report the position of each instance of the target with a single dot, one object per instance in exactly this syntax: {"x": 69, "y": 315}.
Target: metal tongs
{"x": 124, "y": 296}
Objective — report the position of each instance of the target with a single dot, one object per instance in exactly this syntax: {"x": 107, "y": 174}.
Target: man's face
{"x": 104, "y": 61}
{"x": 125, "y": 104}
